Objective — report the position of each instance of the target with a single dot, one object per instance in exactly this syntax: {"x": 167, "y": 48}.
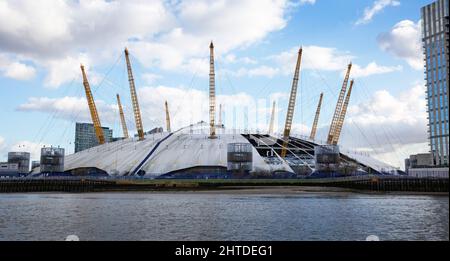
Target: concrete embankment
{"x": 428, "y": 185}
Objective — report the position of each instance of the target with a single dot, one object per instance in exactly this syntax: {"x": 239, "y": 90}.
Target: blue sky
{"x": 41, "y": 47}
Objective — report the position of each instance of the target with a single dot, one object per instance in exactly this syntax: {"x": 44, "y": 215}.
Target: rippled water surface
{"x": 222, "y": 216}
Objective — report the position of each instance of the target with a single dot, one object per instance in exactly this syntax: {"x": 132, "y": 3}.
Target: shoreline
{"x": 294, "y": 190}
{"x": 366, "y": 186}
{"x": 250, "y": 190}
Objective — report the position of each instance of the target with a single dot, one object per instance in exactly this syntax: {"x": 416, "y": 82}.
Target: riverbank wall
{"x": 388, "y": 184}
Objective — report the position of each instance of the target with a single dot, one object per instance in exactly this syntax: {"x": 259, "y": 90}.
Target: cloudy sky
{"x": 42, "y": 44}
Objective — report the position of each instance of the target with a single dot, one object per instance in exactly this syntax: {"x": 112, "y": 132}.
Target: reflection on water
{"x": 216, "y": 216}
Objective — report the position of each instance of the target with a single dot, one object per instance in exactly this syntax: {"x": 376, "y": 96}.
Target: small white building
{"x": 8, "y": 169}
{"x": 428, "y": 172}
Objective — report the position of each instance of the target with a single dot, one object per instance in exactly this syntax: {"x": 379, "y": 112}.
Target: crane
{"x": 134, "y": 98}
{"x": 122, "y": 118}
{"x": 316, "y": 119}
{"x": 337, "y": 111}
{"x": 212, "y": 93}
{"x": 291, "y": 106}
{"x": 167, "y": 117}
{"x": 340, "y": 123}
{"x": 272, "y": 119}
{"x": 93, "y": 109}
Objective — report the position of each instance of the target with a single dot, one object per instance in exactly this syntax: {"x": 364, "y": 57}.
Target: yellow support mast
{"x": 167, "y": 117}
{"x": 316, "y": 119}
{"x": 122, "y": 118}
{"x": 212, "y": 93}
{"x": 337, "y": 111}
{"x": 340, "y": 123}
{"x": 291, "y": 107}
{"x": 134, "y": 98}
{"x": 93, "y": 109}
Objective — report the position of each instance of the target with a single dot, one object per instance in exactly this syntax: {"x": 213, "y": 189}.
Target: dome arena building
{"x": 189, "y": 152}
{"x": 211, "y": 150}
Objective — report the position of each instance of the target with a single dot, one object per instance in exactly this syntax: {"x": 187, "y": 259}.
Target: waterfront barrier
{"x": 391, "y": 184}
{"x": 51, "y": 184}
{"x": 77, "y": 184}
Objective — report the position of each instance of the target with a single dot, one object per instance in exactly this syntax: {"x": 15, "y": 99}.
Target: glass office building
{"x": 436, "y": 54}
{"x": 85, "y": 136}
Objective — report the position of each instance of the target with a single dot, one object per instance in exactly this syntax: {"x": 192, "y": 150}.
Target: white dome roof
{"x": 186, "y": 148}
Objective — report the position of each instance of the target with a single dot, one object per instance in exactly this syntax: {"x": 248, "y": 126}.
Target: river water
{"x": 222, "y": 216}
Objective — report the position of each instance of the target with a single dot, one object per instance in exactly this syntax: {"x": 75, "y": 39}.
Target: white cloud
{"x": 66, "y": 69}
{"x": 19, "y": 71}
{"x": 170, "y": 35}
{"x": 396, "y": 157}
{"x": 51, "y": 28}
{"x": 197, "y": 66}
{"x": 376, "y": 7}
{"x": 248, "y": 60}
{"x": 301, "y": 129}
{"x": 321, "y": 59}
{"x": 388, "y": 125}
{"x": 71, "y": 108}
{"x": 403, "y": 41}
{"x": 324, "y": 58}
{"x": 28, "y": 146}
{"x": 241, "y": 24}
{"x": 51, "y": 31}
{"x": 182, "y": 111}
{"x": 186, "y": 106}
{"x": 150, "y": 78}
{"x": 186, "y": 111}
{"x": 262, "y": 70}
{"x": 21, "y": 146}
{"x": 372, "y": 69}
{"x": 16, "y": 69}
{"x": 231, "y": 58}
{"x": 313, "y": 57}
{"x": 152, "y": 54}
{"x": 409, "y": 108}
{"x": 32, "y": 25}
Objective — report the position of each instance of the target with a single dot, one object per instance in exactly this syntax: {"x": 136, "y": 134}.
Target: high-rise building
{"x": 436, "y": 54}
{"x": 85, "y": 136}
